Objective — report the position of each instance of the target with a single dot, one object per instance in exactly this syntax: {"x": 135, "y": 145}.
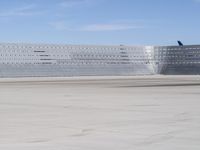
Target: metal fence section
{"x": 31, "y": 60}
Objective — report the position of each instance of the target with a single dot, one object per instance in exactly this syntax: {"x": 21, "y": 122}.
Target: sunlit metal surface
{"x": 26, "y": 60}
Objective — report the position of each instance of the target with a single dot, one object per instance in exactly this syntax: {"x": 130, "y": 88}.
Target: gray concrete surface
{"x": 100, "y": 113}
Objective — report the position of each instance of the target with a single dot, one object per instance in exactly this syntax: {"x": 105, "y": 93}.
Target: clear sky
{"x": 129, "y": 22}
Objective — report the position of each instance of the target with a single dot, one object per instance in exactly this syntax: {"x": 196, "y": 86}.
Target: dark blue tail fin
{"x": 180, "y": 43}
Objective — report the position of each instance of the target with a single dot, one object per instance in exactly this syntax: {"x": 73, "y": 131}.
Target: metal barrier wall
{"x": 178, "y": 60}
{"x": 25, "y": 60}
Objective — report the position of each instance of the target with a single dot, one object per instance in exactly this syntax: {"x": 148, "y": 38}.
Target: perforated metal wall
{"x": 23, "y": 60}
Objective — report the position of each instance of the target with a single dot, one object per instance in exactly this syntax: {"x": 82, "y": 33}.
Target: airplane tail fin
{"x": 180, "y": 43}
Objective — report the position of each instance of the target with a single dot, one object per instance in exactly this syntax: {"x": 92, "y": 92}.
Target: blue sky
{"x": 129, "y": 22}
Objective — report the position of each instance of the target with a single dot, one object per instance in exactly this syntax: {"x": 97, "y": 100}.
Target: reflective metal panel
{"x": 25, "y": 60}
